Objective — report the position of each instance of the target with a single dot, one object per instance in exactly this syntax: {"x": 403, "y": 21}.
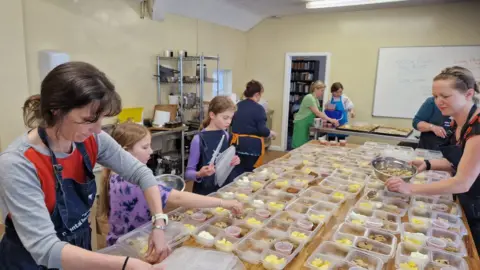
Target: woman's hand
{"x": 396, "y": 184}
{"x": 439, "y": 131}
{"x": 333, "y": 121}
{"x": 235, "y": 206}
{"x": 420, "y": 165}
{"x": 352, "y": 114}
{"x": 136, "y": 264}
{"x": 206, "y": 171}
{"x": 235, "y": 161}
{"x": 273, "y": 134}
{"x": 158, "y": 249}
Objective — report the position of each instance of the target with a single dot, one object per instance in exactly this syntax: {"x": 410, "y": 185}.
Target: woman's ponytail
{"x": 32, "y": 115}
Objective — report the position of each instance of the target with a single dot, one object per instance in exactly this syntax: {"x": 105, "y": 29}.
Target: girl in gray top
{"x": 47, "y": 187}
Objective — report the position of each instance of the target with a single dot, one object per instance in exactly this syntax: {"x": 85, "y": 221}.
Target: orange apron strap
{"x": 260, "y": 158}
{"x": 235, "y": 138}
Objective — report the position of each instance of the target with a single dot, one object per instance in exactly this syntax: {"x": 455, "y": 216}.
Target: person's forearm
{"x": 447, "y": 186}
{"x": 74, "y": 258}
{"x": 154, "y": 201}
{"x": 191, "y": 200}
{"x": 423, "y": 126}
{"x": 441, "y": 165}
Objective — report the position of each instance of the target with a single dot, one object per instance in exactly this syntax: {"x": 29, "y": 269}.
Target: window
{"x": 224, "y": 86}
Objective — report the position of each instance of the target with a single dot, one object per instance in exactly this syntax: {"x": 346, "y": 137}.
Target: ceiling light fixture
{"x": 346, "y": 3}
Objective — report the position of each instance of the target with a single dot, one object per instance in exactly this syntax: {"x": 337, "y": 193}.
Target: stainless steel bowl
{"x": 171, "y": 181}
{"x": 381, "y": 163}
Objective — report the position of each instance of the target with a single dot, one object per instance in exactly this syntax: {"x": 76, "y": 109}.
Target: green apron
{"x": 301, "y": 130}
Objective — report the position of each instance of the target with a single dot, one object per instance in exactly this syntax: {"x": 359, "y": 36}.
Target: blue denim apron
{"x": 70, "y": 215}
{"x": 208, "y": 143}
{"x": 339, "y": 113}
{"x": 470, "y": 201}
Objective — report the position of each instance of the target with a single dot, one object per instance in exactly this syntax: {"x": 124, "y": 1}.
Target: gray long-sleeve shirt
{"x": 22, "y": 197}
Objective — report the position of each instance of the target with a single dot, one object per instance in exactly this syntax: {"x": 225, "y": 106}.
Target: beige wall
{"x": 110, "y": 35}
{"x": 353, "y": 39}
{"x": 13, "y": 80}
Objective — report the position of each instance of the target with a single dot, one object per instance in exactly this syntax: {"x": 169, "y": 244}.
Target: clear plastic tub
{"x": 413, "y": 241}
{"x": 199, "y": 258}
{"x": 297, "y": 209}
{"x": 305, "y": 201}
{"x": 408, "y": 263}
{"x": 345, "y": 241}
{"x": 332, "y": 249}
{"x": 354, "y": 230}
{"x": 250, "y": 250}
{"x": 117, "y": 250}
{"x": 225, "y": 243}
{"x": 299, "y": 236}
{"x": 278, "y": 227}
{"x": 264, "y": 237}
{"x": 443, "y": 258}
{"x": 420, "y": 209}
{"x": 453, "y": 242}
{"x": 406, "y": 252}
{"x": 381, "y": 237}
{"x": 310, "y": 194}
{"x": 322, "y": 262}
{"x": 447, "y": 207}
{"x": 275, "y": 260}
{"x": 364, "y": 260}
{"x": 135, "y": 242}
{"x": 253, "y": 221}
{"x": 420, "y": 224}
{"x": 214, "y": 231}
{"x": 394, "y": 206}
{"x": 385, "y": 216}
{"x": 325, "y": 207}
{"x": 222, "y": 222}
{"x": 456, "y": 224}
{"x": 382, "y": 251}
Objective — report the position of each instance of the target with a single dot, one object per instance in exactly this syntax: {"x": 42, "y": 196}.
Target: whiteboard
{"x": 405, "y": 75}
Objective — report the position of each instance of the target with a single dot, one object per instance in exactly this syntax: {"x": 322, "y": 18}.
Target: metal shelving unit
{"x": 199, "y": 89}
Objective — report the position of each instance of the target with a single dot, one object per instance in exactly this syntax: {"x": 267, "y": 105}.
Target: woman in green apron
{"x": 309, "y": 110}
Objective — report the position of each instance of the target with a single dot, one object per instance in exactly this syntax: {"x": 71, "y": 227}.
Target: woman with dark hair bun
{"x": 249, "y": 128}
{"x": 47, "y": 186}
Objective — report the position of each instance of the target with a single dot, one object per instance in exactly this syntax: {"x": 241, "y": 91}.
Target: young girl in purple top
{"x": 124, "y": 204}
{"x": 220, "y": 114}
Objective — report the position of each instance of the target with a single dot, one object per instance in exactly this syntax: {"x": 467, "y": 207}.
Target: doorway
{"x": 301, "y": 69}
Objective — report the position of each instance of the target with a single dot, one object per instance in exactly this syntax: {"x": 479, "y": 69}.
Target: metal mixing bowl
{"x": 381, "y": 163}
{"x": 171, "y": 181}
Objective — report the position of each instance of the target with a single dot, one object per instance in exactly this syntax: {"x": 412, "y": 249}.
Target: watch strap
{"x": 160, "y": 216}
{"x": 428, "y": 165}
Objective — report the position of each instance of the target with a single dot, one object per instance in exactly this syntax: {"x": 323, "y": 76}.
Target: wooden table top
{"x": 327, "y": 231}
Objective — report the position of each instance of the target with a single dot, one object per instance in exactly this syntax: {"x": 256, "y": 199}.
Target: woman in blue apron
{"x": 454, "y": 90}
{"x": 46, "y": 179}
{"x": 432, "y": 124}
{"x": 342, "y": 107}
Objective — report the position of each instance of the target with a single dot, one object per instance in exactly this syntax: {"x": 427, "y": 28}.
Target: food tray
{"x": 424, "y": 257}
{"x": 352, "y": 256}
{"x": 391, "y": 131}
{"x": 136, "y": 241}
{"x": 372, "y": 219}
{"x": 358, "y": 127}
{"x": 201, "y": 259}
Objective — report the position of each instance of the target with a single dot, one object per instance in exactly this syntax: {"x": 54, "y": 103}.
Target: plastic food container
{"x": 199, "y": 258}
{"x": 213, "y": 231}
{"x": 364, "y": 260}
{"x": 304, "y": 224}
{"x": 344, "y": 241}
{"x": 233, "y": 231}
{"x": 275, "y": 260}
{"x": 413, "y": 241}
{"x": 225, "y": 243}
{"x": 382, "y": 251}
{"x": 320, "y": 261}
{"x": 262, "y": 213}
{"x": 299, "y": 236}
{"x": 116, "y": 250}
{"x": 333, "y": 250}
{"x": 436, "y": 243}
{"x": 285, "y": 248}
{"x": 250, "y": 250}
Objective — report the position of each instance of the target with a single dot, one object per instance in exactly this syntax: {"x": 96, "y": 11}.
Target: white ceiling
{"x": 245, "y": 14}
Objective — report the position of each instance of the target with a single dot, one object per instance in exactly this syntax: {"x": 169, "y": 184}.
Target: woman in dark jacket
{"x": 432, "y": 124}
{"x": 249, "y": 128}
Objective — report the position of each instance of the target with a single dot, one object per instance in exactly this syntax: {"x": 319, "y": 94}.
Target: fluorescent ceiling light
{"x": 346, "y": 3}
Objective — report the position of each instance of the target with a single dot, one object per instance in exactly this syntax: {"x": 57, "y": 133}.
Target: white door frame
{"x": 286, "y": 88}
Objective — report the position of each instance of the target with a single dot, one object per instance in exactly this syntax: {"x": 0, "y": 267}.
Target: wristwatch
{"x": 159, "y": 216}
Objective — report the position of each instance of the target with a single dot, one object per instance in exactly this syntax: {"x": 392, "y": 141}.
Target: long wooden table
{"x": 327, "y": 231}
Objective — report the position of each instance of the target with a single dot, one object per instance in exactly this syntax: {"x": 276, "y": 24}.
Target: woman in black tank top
{"x": 455, "y": 90}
